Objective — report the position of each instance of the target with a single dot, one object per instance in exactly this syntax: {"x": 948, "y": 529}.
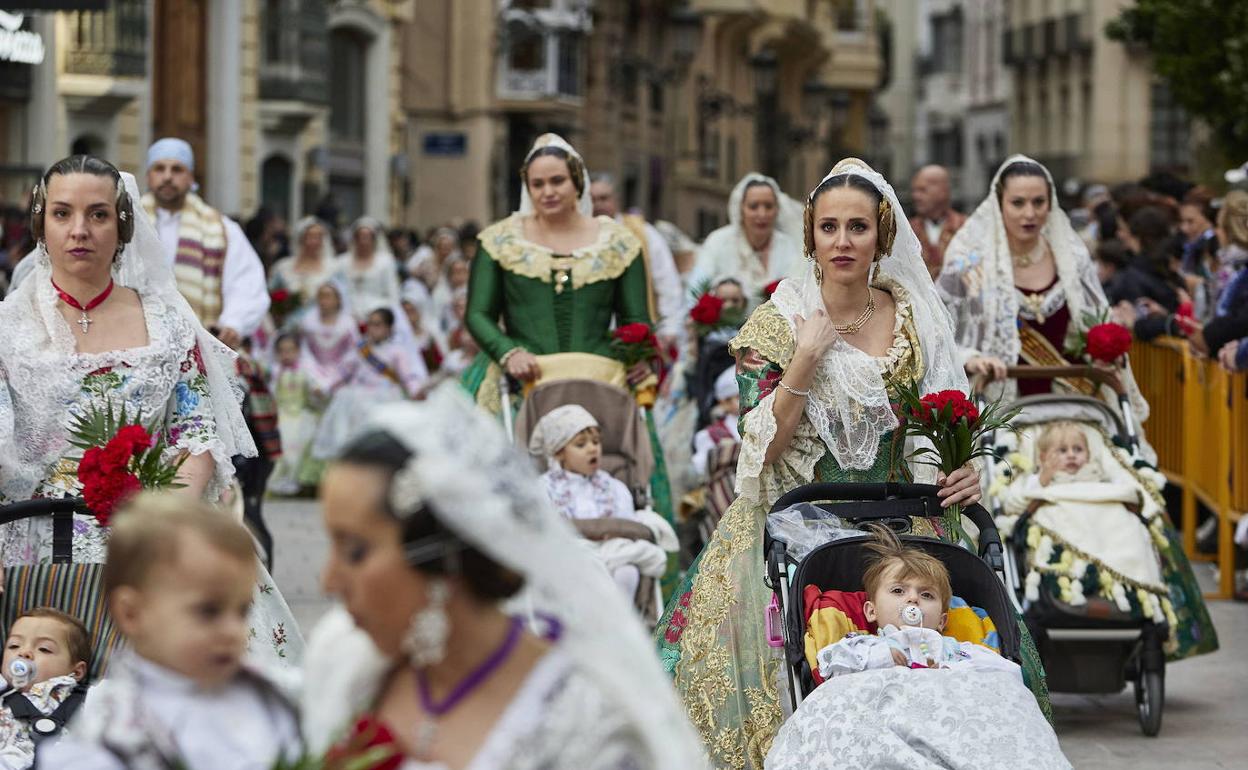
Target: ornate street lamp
{"x": 686, "y": 29}
{"x": 765, "y": 66}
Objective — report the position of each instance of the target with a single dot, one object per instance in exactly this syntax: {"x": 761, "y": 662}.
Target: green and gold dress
{"x": 524, "y": 295}
{"x": 712, "y": 638}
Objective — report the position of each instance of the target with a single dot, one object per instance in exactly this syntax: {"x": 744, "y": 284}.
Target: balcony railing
{"x": 298, "y": 66}
{"x": 111, "y": 42}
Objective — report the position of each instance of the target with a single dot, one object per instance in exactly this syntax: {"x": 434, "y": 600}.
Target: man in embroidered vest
{"x": 216, "y": 268}
{"x": 935, "y": 221}
{"x": 666, "y": 291}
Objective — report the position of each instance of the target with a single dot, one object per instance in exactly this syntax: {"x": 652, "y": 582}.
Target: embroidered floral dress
{"x": 712, "y": 638}
{"x": 165, "y": 377}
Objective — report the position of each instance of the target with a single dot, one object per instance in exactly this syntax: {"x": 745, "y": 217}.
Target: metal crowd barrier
{"x": 1199, "y": 427}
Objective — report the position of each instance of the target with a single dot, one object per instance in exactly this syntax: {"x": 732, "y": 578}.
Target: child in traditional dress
{"x": 296, "y": 395}
{"x": 630, "y": 542}
{"x": 52, "y": 650}
{"x": 179, "y": 581}
{"x": 330, "y": 336}
{"x": 1063, "y": 456}
{"x": 909, "y": 594}
{"x": 707, "y": 441}
{"x": 383, "y": 370}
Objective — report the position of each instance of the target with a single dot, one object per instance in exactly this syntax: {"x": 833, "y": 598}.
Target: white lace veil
{"x": 585, "y": 204}
{"x": 485, "y": 489}
{"x": 726, "y": 250}
{"x": 29, "y": 316}
{"x": 977, "y": 282}
{"x": 849, "y": 404}
{"x": 327, "y": 242}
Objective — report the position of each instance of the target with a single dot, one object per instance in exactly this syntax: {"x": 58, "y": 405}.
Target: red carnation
{"x": 115, "y": 457}
{"x": 708, "y": 309}
{"x": 281, "y": 295}
{"x": 368, "y": 735}
{"x": 89, "y": 465}
{"x": 135, "y": 437}
{"x": 1108, "y": 342}
{"x": 770, "y": 288}
{"x": 959, "y": 406}
{"x": 104, "y": 493}
{"x": 633, "y": 334}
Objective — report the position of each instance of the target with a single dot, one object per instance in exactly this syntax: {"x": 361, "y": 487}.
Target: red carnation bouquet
{"x": 282, "y": 305}
{"x": 709, "y": 314}
{"x": 770, "y": 289}
{"x": 634, "y": 344}
{"x": 954, "y": 427}
{"x": 1098, "y": 340}
{"x": 119, "y": 458}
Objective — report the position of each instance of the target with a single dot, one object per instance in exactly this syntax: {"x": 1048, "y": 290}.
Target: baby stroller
{"x": 626, "y": 451}
{"x": 71, "y": 588}
{"x": 839, "y": 564}
{"x": 1094, "y": 647}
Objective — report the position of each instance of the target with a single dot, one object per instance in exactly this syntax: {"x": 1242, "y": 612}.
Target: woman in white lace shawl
{"x": 475, "y": 631}
{"x": 761, "y": 242}
{"x": 138, "y": 345}
{"x": 1016, "y": 277}
{"x": 815, "y": 366}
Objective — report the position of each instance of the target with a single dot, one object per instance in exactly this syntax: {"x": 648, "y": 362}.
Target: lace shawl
{"x": 977, "y": 284}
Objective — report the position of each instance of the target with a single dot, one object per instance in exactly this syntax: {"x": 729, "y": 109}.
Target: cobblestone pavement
{"x": 1203, "y": 724}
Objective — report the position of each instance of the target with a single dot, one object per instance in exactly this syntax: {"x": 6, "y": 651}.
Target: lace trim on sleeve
{"x": 767, "y": 332}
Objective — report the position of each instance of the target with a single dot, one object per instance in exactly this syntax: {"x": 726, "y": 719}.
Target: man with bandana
{"x": 216, "y": 268}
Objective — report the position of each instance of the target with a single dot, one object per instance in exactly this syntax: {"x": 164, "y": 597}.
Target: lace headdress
{"x": 477, "y": 483}
{"x": 327, "y": 243}
{"x": 977, "y": 282}
{"x": 34, "y": 328}
{"x": 585, "y": 203}
{"x": 849, "y": 404}
{"x": 727, "y": 249}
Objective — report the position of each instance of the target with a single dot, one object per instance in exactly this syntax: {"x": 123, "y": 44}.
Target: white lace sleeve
{"x": 191, "y": 423}
{"x": 960, "y": 274}
{"x": 757, "y": 480}
{"x": 853, "y": 654}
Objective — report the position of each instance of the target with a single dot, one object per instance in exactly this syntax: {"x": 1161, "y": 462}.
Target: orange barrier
{"x": 1198, "y": 424}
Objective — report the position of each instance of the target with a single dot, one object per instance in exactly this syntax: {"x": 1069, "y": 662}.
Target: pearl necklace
{"x": 855, "y": 326}
{"x": 1030, "y": 258}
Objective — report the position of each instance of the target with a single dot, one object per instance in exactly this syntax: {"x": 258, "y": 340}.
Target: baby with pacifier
{"x": 45, "y": 662}
{"x": 909, "y": 594}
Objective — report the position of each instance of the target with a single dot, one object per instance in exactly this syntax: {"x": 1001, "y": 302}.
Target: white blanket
{"x": 1092, "y": 517}
{"x": 650, "y": 558}
{"x": 915, "y": 719}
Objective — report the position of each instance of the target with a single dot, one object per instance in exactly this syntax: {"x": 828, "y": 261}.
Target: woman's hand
{"x": 988, "y": 366}
{"x": 960, "y": 488}
{"x": 639, "y": 372}
{"x": 523, "y": 366}
{"x": 1226, "y": 356}
{"x": 815, "y": 334}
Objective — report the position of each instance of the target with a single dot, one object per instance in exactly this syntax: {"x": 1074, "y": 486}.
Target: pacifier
{"x": 911, "y": 615}
{"x": 21, "y": 673}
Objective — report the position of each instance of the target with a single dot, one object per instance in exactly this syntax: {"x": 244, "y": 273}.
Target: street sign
{"x": 446, "y": 144}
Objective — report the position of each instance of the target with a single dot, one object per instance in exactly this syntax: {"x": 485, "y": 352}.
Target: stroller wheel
{"x": 1150, "y": 698}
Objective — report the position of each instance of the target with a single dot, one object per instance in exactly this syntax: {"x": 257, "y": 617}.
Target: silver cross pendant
{"x": 85, "y": 322}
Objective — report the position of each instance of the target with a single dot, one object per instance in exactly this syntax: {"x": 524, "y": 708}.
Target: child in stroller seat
{"x": 44, "y": 665}
{"x": 630, "y": 542}
{"x": 908, "y": 696}
{"x": 910, "y": 595}
{"x": 1064, "y": 457}
{"x": 724, "y": 428}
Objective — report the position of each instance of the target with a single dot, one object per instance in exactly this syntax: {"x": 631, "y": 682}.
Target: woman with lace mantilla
{"x": 1015, "y": 277}
{"x": 99, "y": 323}
{"x": 815, "y": 366}
{"x": 439, "y": 530}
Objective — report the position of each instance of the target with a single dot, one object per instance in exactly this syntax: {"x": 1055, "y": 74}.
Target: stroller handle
{"x": 923, "y": 495}
{"x": 1098, "y": 375}
{"x": 42, "y": 506}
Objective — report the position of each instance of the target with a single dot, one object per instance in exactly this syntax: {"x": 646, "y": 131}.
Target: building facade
{"x": 676, "y": 99}
{"x": 289, "y": 104}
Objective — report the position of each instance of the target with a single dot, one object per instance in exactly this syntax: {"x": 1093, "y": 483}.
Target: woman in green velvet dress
{"x": 546, "y": 285}
{"x": 817, "y": 367}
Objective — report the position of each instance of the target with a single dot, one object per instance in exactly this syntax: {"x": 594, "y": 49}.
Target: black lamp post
{"x": 767, "y": 119}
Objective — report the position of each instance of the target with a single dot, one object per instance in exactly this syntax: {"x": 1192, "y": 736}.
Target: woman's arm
{"x": 814, "y": 336}
{"x": 191, "y": 427}
{"x": 195, "y": 474}
{"x": 485, "y": 305}
{"x": 631, "y": 305}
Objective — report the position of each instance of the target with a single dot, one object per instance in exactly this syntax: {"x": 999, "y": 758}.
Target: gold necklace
{"x": 1030, "y": 258}
{"x": 856, "y": 325}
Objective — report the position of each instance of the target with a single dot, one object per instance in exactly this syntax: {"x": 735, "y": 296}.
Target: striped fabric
{"x": 200, "y": 261}
{"x": 74, "y": 589}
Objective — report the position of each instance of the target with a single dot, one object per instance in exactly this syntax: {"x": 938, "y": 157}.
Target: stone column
{"x": 224, "y": 108}
{"x": 377, "y": 125}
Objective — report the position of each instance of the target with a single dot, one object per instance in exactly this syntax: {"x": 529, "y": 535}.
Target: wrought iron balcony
{"x": 111, "y": 42}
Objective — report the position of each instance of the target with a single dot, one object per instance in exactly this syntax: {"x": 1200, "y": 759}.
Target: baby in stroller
{"x": 630, "y": 542}
{"x": 909, "y": 594}
{"x": 45, "y": 664}
{"x": 1089, "y": 533}
{"x": 908, "y": 696}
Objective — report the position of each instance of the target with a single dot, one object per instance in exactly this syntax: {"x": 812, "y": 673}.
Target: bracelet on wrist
{"x": 507, "y": 356}
{"x": 794, "y": 391}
